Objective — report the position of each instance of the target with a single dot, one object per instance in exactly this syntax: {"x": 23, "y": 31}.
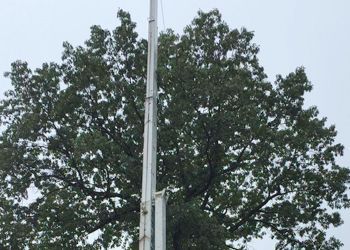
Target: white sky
{"x": 291, "y": 33}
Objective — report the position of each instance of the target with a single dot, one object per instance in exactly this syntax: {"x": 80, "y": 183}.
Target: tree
{"x": 240, "y": 156}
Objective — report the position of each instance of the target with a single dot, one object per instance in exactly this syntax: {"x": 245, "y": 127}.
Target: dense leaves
{"x": 240, "y": 156}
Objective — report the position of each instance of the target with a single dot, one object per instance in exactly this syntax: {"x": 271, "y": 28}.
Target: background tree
{"x": 241, "y": 156}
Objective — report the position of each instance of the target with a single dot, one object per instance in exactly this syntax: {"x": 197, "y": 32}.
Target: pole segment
{"x": 146, "y": 240}
{"x": 160, "y": 220}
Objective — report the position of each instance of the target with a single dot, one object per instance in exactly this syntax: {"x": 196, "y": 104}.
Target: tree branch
{"x": 252, "y": 212}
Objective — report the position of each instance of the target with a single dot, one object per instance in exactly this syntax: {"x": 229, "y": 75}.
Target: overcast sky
{"x": 290, "y": 33}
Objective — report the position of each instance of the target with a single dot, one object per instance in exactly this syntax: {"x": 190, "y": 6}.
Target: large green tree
{"x": 240, "y": 156}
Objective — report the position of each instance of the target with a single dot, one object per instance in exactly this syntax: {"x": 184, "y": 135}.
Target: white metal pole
{"x": 146, "y": 240}
{"x": 160, "y": 220}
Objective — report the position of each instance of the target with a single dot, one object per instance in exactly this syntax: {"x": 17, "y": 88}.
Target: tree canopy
{"x": 241, "y": 156}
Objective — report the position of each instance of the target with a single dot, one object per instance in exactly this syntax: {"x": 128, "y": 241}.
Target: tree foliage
{"x": 240, "y": 156}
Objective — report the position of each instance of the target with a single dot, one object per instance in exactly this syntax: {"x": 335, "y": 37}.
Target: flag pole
{"x": 147, "y": 210}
